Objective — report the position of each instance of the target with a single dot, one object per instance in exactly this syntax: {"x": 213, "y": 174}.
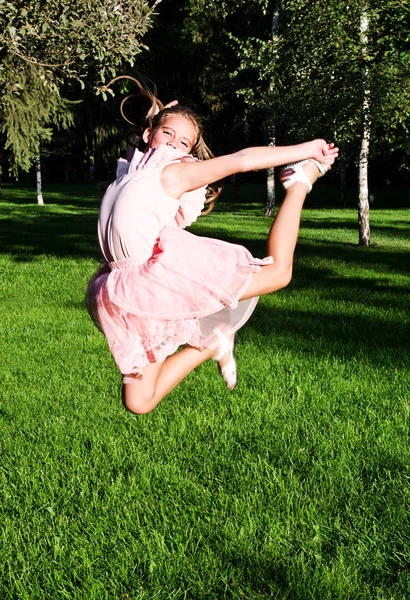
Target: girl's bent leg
{"x": 161, "y": 378}
{"x": 282, "y": 240}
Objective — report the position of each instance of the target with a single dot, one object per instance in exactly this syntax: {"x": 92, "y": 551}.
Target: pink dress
{"x": 162, "y": 287}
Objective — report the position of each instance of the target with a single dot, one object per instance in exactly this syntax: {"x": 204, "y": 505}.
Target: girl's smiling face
{"x": 175, "y": 131}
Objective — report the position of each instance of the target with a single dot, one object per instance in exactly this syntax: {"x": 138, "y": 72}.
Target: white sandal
{"x": 293, "y": 172}
{"x": 229, "y": 372}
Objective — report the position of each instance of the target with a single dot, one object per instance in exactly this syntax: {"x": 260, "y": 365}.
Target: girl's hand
{"x": 324, "y": 152}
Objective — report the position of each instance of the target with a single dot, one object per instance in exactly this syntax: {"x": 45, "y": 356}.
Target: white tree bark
{"x": 343, "y": 185}
{"x": 270, "y": 184}
{"x": 363, "y": 201}
{"x": 40, "y": 200}
{"x": 270, "y": 173}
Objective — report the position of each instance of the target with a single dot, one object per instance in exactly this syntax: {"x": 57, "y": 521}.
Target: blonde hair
{"x": 156, "y": 115}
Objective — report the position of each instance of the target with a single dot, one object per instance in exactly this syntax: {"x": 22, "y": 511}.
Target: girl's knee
{"x": 135, "y": 401}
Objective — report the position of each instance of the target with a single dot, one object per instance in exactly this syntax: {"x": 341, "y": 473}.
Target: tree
{"x": 363, "y": 199}
{"x": 337, "y": 73}
{"x": 270, "y": 176}
{"x": 47, "y": 48}
{"x": 358, "y": 81}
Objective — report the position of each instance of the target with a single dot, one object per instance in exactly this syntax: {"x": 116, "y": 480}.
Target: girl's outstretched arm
{"x": 184, "y": 177}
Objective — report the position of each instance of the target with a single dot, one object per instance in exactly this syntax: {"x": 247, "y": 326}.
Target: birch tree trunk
{"x": 270, "y": 184}
{"x": 363, "y": 201}
{"x": 270, "y": 173}
{"x": 343, "y": 186}
{"x": 40, "y": 200}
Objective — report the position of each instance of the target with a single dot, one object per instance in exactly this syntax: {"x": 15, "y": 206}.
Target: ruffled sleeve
{"x": 191, "y": 203}
{"x": 190, "y": 207}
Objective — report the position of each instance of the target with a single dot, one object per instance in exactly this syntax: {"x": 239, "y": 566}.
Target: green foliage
{"x": 29, "y": 109}
{"x": 316, "y": 69}
{"x": 45, "y": 45}
{"x": 391, "y": 73}
{"x": 75, "y": 37}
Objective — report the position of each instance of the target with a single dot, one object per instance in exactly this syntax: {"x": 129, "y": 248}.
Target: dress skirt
{"x": 184, "y": 294}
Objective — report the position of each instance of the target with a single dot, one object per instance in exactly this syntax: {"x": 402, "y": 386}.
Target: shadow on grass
{"x": 396, "y": 261}
{"x": 81, "y": 195}
{"x": 340, "y": 334}
{"x": 398, "y": 228}
{"x": 66, "y": 226}
{"x": 56, "y": 235}
{"x": 392, "y": 260}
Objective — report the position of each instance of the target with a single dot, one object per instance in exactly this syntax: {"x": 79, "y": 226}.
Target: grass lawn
{"x": 295, "y": 486}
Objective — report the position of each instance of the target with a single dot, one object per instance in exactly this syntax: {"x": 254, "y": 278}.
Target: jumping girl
{"x": 162, "y": 287}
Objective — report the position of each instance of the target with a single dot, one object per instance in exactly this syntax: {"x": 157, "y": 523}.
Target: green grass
{"x": 294, "y": 486}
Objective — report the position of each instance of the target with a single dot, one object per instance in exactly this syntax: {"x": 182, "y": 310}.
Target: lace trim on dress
{"x": 124, "y": 265}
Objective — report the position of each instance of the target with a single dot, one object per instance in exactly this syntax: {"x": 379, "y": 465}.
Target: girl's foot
{"x": 296, "y": 172}
{"x": 225, "y": 358}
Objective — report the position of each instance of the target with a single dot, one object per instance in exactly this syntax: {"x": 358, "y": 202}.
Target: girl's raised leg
{"x": 282, "y": 238}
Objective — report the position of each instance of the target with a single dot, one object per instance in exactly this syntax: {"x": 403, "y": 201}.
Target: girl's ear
{"x": 146, "y": 134}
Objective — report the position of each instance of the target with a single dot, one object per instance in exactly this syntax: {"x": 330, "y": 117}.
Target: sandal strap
{"x": 323, "y": 169}
{"x": 294, "y": 172}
